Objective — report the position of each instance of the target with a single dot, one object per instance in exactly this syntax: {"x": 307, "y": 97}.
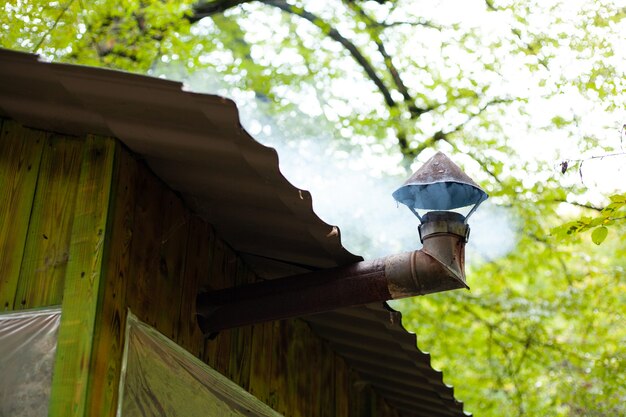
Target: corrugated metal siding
{"x": 195, "y": 143}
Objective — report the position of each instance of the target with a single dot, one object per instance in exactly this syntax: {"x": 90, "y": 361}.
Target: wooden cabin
{"x": 123, "y": 194}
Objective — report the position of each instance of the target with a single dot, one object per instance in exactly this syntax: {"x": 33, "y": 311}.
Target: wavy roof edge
{"x": 196, "y": 144}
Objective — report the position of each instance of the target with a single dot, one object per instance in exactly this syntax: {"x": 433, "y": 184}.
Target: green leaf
{"x": 559, "y": 121}
{"x": 599, "y": 234}
{"x": 597, "y": 221}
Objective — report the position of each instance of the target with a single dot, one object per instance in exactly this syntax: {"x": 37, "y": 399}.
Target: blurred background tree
{"x": 528, "y": 96}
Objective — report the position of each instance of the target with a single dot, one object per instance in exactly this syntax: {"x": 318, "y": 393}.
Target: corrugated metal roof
{"x": 196, "y": 144}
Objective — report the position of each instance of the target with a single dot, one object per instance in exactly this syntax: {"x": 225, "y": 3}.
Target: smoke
{"x": 493, "y": 234}
{"x": 372, "y": 224}
{"x": 351, "y": 188}
{"x": 346, "y": 193}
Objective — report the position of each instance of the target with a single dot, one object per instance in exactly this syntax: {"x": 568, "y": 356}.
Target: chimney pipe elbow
{"x": 420, "y": 272}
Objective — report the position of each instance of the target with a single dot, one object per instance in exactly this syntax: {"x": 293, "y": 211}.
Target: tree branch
{"x": 202, "y": 10}
{"x": 481, "y": 163}
{"x": 526, "y": 46}
{"x": 445, "y": 135}
{"x": 54, "y": 25}
{"x": 214, "y": 7}
{"x": 208, "y": 9}
{"x": 515, "y": 338}
{"x": 387, "y": 59}
{"x": 406, "y": 23}
{"x": 490, "y": 6}
{"x": 608, "y": 155}
{"x": 336, "y": 36}
{"x": 574, "y": 203}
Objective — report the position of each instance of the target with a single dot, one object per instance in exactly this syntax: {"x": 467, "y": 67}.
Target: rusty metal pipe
{"x": 438, "y": 266}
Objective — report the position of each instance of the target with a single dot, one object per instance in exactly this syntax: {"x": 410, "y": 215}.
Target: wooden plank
{"x": 355, "y": 389}
{"x": 110, "y": 326}
{"x": 367, "y": 406}
{"x": 226, "y": 275}
{"x": 83, "y": 280}
{"x": 216, "y": 279}
{"x": 167, "y": 285}
{"x": 20, "y": 156}
{"x": 302, "y": 362}
{"x": 48, "y": 242}
{"x": 314, "y": 371}
{"x": 197, "y": 262}
{"x": 383, "y": 409}
{"x": 279, "y": 389}
{"x": 145, "y": 258}
{"x": 311, "y": 386}
{"x": 209, "y": 352}
{"x": 222, "y": 352}
{"x": 241, "y": 344}
{"x": 228, "y": 358}
{"x": 342, "y": 391}
{"x": 222, "y": 275}
{"x": 245, "y": 352}
{"x": 326, "y": 380}
{"x": 247, "y": 334}
{"x": 359, "y": 397}
{"x": 224, "y": 266}
{"x": 261, "y": 361}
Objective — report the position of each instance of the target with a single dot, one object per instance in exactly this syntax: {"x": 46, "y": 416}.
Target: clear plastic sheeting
{"x": 28, "y": 341}
{"x": 160, "y": 378}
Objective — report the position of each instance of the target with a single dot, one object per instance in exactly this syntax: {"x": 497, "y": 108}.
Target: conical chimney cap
{"x": 439, "y": 185}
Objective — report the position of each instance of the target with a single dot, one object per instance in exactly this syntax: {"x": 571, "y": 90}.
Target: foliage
{"x": 607, "y": 217}
{"x": 129, "y": 34}
{"x": 541, "y": 331}
{"x": 506, "y": 88}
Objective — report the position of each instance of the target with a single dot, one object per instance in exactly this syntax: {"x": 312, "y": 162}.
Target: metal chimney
{"x": 437, "y": 187}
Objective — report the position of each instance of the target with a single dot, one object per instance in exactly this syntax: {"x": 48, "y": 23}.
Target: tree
{"x": 506, "y": 88}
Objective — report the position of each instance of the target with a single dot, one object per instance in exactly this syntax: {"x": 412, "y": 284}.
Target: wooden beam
{"x": 197, "y": 265}
{"x": 167, "y": 285}
{"x": 145, "y": 251}
{"x": 261, "y": 360}
{"x": 48, "y": 242}
{"x": 83, "y": 281}
{"x": 20, "y": 155}
{"x": 109, "y": 332}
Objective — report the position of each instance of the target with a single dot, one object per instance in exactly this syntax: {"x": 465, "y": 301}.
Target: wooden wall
{"x": 85, "y": 224}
